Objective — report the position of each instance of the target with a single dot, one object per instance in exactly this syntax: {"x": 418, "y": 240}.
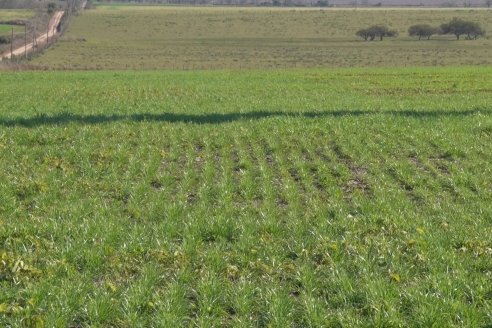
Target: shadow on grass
{"x": 217, "y": 118}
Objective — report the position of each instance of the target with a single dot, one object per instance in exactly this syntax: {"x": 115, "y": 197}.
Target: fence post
{"x": 25, "y": 39}
{"x": 12, "y": 46}
{"x": 34, "y": 41}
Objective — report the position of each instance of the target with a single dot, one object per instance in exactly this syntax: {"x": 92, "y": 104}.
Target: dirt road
{"x": 52, "y": 31}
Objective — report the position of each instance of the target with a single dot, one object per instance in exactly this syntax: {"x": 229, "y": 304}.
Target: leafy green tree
{"x": 51, "y": 8}
{"x": 4, "y": 39}
{"x": 422, "y": 31}
{"x": 474, "y": 31}
{"x": 376, "y": 31}
{"x": 365, "y": 34}
{"x": 459, "y": 27}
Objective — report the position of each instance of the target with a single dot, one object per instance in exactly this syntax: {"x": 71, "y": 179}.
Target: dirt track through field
{"x": 52, "y": 31}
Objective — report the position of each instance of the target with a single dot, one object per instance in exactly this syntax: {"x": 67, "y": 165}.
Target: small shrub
{"x": 422, "y": 30}
{"x": 459, "y": 27}
{"x": 4, "y": 39}
{"x": 51, "y": 8}
{"x": 376, "y": 31}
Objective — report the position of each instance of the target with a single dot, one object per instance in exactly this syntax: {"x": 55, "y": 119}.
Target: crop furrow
{"x": 169, "y": 175}
{"x": 406, "y": 186}
{"x": 255, "y": 195}
{"x": 273, "y": 171}
{"x": 315, "y": 168}
{"x": 293, "y": 184}
{"x": 191, "y": 173}
{"x": 357, "y": 180}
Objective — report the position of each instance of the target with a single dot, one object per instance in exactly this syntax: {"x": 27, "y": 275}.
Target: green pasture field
{"x": 7, "y": 15}
{"x": 294, "y": 198}
{"x": 10, "y": 15}
{"x": 6, "y": 29}
{"x": 15, "y": 14}
{"x": 150, "y": 37}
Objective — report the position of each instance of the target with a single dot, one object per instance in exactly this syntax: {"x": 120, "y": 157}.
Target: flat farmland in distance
{"x": 5, "y": 29}
{"x": 289, "y": 198}
{"x": 15, "y": 14}
{"x": 7, "y": 15}
{"x": 151, "y": 37}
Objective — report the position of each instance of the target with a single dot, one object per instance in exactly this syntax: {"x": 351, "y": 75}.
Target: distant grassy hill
{"x": 15, "y": 14}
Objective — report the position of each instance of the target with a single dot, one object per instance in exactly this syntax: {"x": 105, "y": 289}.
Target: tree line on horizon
{"x": 312, "y": 3}
{"x": 456, "y": 27}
